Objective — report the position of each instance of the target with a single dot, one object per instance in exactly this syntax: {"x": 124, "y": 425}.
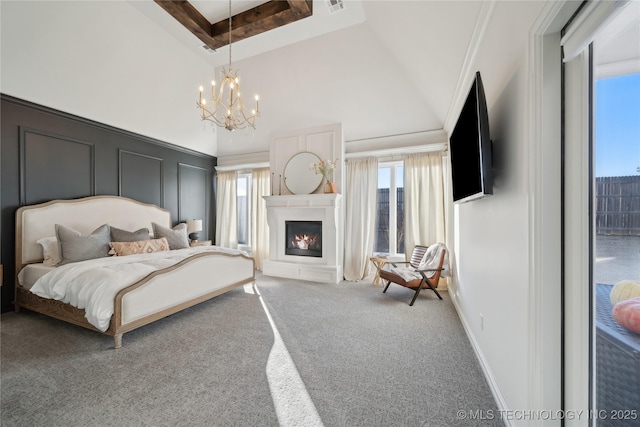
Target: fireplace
{"x": 303, "y": 238}
{"x": 311, "y": 214}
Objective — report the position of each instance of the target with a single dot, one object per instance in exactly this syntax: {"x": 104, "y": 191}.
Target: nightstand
{"x": 200, "y": 243}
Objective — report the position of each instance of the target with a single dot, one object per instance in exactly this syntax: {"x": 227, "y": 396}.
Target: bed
{"x": 193, "y": 275}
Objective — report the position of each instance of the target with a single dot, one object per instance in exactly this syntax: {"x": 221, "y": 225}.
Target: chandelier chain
{"x": 227, "y": 109}
{"x": 229, "y": 35}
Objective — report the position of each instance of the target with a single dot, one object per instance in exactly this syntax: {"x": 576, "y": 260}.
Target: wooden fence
{"x": 382, "y": 221}
{"x": 617, "y": 210}
{"x": 618, "y": 205}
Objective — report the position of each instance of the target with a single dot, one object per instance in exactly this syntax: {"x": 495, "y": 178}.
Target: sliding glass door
{"x": 616, "y": 207}
{"x": 601, "y": 212}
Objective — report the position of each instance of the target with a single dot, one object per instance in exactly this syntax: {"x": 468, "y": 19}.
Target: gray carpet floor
{"x": 365, "y": 358}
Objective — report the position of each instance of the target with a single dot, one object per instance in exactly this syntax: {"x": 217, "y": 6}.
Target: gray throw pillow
{"x": 177, "y": 237}
{"x": 119, "y": 235}
{"x": 75, "y": 247}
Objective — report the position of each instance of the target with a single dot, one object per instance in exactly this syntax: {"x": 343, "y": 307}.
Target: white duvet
{"x": 93, "y": 284}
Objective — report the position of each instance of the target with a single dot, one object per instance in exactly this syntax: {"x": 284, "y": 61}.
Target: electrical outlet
{"x": 481, "y": 322}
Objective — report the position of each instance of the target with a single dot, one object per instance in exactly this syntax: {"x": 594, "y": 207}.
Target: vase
{"x": 330, "y": 187}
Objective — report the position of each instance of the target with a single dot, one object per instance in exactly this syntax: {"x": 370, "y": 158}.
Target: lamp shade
{"x": 194, "y": 225}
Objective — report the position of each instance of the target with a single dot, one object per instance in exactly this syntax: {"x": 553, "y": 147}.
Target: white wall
{"x": 492, "y": 290}
{"x": 61, "y": 55}
{"x": 492, "y": 253}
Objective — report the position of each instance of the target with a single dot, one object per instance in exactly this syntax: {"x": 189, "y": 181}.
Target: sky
{"x": 384, "y": 177}
{"x": 617, "y": 125}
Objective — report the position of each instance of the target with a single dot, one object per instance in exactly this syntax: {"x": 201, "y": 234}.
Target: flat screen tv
{"x": 470, "y": 148}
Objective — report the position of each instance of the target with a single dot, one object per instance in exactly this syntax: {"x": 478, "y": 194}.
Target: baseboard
{"x": 493, "y": 385}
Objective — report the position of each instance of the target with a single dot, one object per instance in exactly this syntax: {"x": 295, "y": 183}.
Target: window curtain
{"x": 261, "y": 186}
{"x": 226, "y": 210}
{"x": 361, "y": 208}
{"x": 424, "y": 201}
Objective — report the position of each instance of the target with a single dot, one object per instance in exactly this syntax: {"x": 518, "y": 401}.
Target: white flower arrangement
{"x": 325, "y": 167}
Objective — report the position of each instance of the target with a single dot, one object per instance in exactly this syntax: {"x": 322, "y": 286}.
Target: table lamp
{"x": 193, "y": 226}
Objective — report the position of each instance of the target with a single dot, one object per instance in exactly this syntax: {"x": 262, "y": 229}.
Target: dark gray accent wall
{"x": 46, "y": 154}
{"x": 141, "y": 177}
{"x": 192, "y": 182}
{"x": 54, "y": 164}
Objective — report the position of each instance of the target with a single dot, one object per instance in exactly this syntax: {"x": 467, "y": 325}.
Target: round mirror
{"x": 299, "y": 176}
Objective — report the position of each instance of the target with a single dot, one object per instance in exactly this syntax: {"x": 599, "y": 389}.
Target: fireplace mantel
{"x": 304, "y": 200}
{"x": 312, "y": 207}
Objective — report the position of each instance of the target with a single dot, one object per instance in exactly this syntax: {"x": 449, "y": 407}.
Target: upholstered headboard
{"x": 84, "y": 215}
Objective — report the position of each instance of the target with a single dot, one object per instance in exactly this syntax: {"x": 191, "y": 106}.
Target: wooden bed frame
{"x": 156, "y": 296}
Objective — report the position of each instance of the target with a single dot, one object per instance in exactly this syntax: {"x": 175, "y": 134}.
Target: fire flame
{"x": 304, "y": 241}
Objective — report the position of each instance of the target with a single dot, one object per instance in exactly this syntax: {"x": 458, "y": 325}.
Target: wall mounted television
{"x": 470, "y": 148}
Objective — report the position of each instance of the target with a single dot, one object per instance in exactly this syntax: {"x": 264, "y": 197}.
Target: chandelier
{"x": 226, "y": 109}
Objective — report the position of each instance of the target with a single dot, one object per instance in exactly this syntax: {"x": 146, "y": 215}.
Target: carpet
{"x": 200, "y": 367}
{"x": 361, "y": 358}
{"x": 369, "y": 359}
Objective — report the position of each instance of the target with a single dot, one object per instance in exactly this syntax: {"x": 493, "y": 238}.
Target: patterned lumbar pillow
{"x": 177, "y": 236}
{"x": 75, "y": 247}
{"x": 119, "y": 235}
{"x": 140, "y": 247}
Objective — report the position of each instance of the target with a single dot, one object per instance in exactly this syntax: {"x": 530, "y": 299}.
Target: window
{"x": 390, "y": 214}
{"x": 616, "y": 254}
{"x": 244, "y": 207}
{"x": 601, "y": 245}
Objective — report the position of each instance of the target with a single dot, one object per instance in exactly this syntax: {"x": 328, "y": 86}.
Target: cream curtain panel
{"x": 226, "y": 210}
{"x": 424, "y": 203}
{"x": 261, "y": 186}
{"x": 361, "y": 207}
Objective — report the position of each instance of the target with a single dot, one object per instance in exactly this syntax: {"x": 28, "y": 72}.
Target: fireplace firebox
{"x": 304, "y": 238}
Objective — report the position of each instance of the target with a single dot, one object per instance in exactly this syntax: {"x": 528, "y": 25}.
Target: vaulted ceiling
{"x": 262, "y": 17}
{"x": 384, "y": 69}
{"x": 381, "y": 68}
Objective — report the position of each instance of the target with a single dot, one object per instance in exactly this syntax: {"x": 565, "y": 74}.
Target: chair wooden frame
{"x": 419, "y": 283}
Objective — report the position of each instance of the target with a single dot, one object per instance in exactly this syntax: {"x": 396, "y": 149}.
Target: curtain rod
{"x": 399, "y": 153}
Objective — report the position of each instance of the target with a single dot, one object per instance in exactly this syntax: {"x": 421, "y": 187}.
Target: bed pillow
{"x": 119, "y": 235}
{"x": 50, "y": 251}
{"x": 75, "y": 247}
{"x": 176, "y": 236}
{"x": 140, "y": 247}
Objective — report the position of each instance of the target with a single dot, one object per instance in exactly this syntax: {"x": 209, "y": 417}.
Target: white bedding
{"x": 30, "y": 274}
{"x": 93, "y": 284}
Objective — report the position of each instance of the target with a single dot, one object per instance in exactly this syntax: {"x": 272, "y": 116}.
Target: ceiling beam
{"x": 301, "y": 8}
{"x": 262, "y": 18}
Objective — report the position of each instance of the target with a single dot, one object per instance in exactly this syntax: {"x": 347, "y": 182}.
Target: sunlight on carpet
{"x": 290, "y": 397}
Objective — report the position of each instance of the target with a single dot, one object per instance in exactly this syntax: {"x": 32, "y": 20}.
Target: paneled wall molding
{"x": 193, "y": 201}
{"x": 142, "y": 174}
{"x": 79, "y": 119}
{"x": 47, "y": 154}
{"x": 326, "y": 142}
{"x": 38, "y": 164}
